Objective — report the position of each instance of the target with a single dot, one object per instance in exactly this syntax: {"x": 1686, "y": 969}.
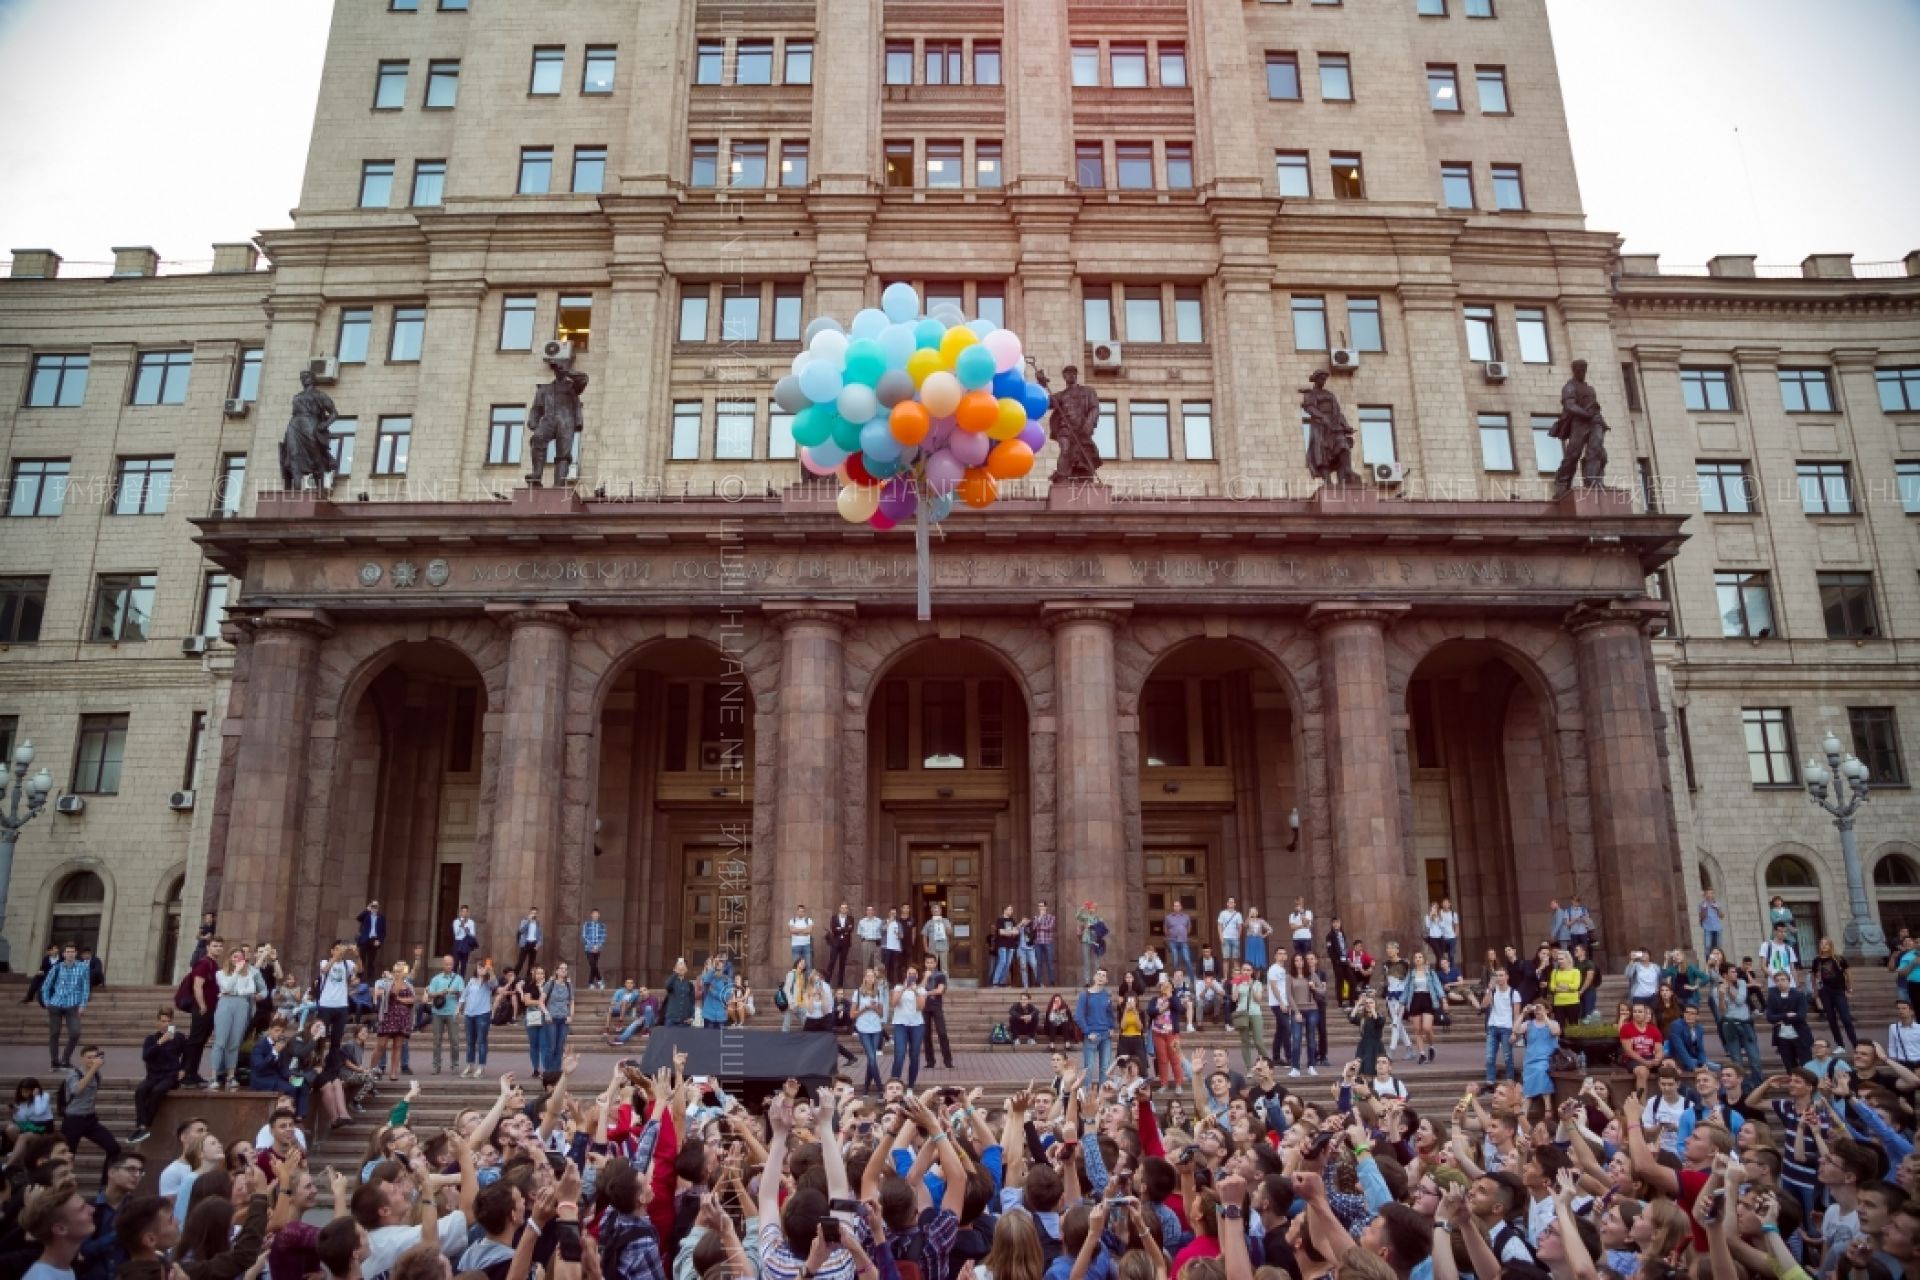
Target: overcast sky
{"x": 1771, "y": 127}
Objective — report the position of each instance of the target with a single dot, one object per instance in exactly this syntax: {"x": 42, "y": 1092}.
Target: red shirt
{"x": 1645, "y": 1042}
{"x": 1692, "y": 1183}
{"x": 204, "y": 967}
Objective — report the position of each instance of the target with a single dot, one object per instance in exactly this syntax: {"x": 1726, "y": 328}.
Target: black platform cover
{"x": 737, "y": 1057}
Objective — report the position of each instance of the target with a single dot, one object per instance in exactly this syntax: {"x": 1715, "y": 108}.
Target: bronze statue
{"x": 556, "y": 416}
{"x": 1584, "y": 430}
{"x": 1330, "y": 443}
{"x": 305, "y": 449}
{"x": 1076, "y": 411}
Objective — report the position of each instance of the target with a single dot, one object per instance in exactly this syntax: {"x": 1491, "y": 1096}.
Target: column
{"x": 1093, "y": 862}
{"x": 1374, "y": 887}
{"x": 1633, "y": 834}
{"x": 265, "y": 820}
{"x": 806, "y": 821}
{"x": 530, "y": 772}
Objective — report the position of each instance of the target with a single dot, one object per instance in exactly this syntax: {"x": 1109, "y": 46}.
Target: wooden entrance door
{"x": 713, "y": 902}
{"x": 950, "y": 874}
{"x": 1177, "y": 871}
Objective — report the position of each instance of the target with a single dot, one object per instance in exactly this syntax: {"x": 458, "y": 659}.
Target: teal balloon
{"x": 846, "y": 434}
{"x": 974, "y": 367}
{"x": 813, "y": 424}
{"x": 866, "y": 361}
{"x": 928, "y": 334}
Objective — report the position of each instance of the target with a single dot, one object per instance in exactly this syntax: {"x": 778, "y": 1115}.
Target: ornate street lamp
{"x": 1846, "y": 777}
{"x": 34, "y": 790}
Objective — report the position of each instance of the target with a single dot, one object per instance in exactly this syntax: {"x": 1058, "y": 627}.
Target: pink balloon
{"x": 817, "y": 468}
{"x": 970, "y": 447}
{"x": 1005, "y": 346}
{"x": 944, "y": 471}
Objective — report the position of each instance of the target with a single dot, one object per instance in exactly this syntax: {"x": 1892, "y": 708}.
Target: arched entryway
{"x": 1896, "y": 890}
{"x": 166, "y": 927}
{"x": 79, "y": 914}
{"x": 1793, "y": 879}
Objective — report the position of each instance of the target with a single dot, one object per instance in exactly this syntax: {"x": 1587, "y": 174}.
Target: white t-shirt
{"x": 1500, "y": 1012}
{"x": 1778, "y": 957}
{"x": 801, "y": 927}
{"x": 44, "y": 1270}
{"x": 387, "y": 1244}
{"x": 335, "y": 982}
{"x": 907, "y": 1012}
{"x": 893, "y": 936}
{"x": 1276, "y": 985}
{"x": 1302, "y": 922}
{"x": 1230, "y": 922}
{"x": 1661, "y": 1113}
{"x": 263, "y": 1140}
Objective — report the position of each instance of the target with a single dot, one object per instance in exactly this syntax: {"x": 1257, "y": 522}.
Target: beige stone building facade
{"x": 689, "y": 697}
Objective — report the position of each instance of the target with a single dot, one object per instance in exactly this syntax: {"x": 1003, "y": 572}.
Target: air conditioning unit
{"x": 1496, "y": 370}
{"x": 1107, "y": 355}
{"x": 1387, "y": 472}
{"x": 1345, "y": 360}
{"x": 236, "y": 408}
{"x": 194, "y": 644}
{"x": 71, "y": 804}
{"x": 557, "y": 352}
{"x": 180, "y": 801}
{"x": 325, "y": 369}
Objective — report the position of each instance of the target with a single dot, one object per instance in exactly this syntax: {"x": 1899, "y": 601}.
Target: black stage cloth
{"x": 737, "y": 1057}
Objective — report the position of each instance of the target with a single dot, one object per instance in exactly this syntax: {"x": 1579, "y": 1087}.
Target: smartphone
{"x": 1318, "y": 1146}
{"x": 844, "y": 1206}
{"x": 829, "y": 1231}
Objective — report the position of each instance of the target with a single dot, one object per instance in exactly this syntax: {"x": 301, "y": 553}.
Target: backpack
{"x": 909, "y": 1250}
{"x": 999, "y": 1034}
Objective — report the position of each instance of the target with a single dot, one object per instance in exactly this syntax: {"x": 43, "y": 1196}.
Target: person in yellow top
{"x": 1133, "y": 1032}
{"x": 1564, "y": 985}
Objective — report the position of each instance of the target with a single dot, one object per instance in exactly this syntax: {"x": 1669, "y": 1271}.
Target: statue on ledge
{"x": 556, "y": 416}
{"x": 1330, "y": 438}
{"x": 1075, "y": 411}
{"x": 305, "y": 449}
{"x": 1584, "y": 433}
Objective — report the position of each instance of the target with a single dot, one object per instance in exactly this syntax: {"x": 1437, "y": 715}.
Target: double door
{"x": 949, "y": 874}
{"x": 1177, "y": 872}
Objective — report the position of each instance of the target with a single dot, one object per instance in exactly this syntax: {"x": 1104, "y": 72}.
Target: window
{"x": 160, "y": 377}
{"x": 986, "y": 62}
{"x": 1336, "y": 78}
{"x": 1291, "y": 172}
{"x": 443, "y": 84}
{"x": 58, "y": 382}
{"x": 23, "y": 603}
{"x": 780, "y": 442}
{"x": 1148, "y": 419}
{"x": 404, "y": 6}
{"x": 340, "y": 444}
{"x": 1188, "y": 322}
{"x": 1309, "y": 324}
{"x": 1443, "y": 86}
{"x": 376, "y": 184}
{"x": 196, "y": 737}
{"x": 1283, "y": 77}
{"x": 1825, "y": 488}
{"x": 710, "y": 62}
{"x": 589, "y": 170}
{"x": 1143, "y": 313}
{"x": 1086, "y": 66}
{"x": 96, "y": 770}
{"x": 1686, "y": 746}
{"x": 703, "y": 165}
{"x": 429, "y": 183}
{"x": 685, "y": 444}
{"x": 1496, "y": 442}
{"x": 1507, "y": 191}
{"x": 1532, "y": 325}
{"x": 141, "y": 486}
{"x": 733, "y": 429}
{"x": 1129, "y": 66}
{"x": 944, "y": 62}
{"x": 516, "y": 322}
{"x": 1180, "y": 166}
{"x": 1725, "y": 488}
{"x": 1876, "y": 740}
{"x": 899, "y": 62}
{"x": 1806, "y": 391}
{"x": 1348, "y": 184}
{"x": 1630, "y": 379}
{"x": 1548, "y": 451}
{"x": 740, "y": 313}
{"x": 1906, "y": 476}
{"x": 1097, "y": 311}
{"x": 793, "y": 163}
{"x": 753, "y": 62}
{"x": 123, "y": 609}
{"x": 1492, "y": 82}
{"x": 409, "y": 335}
{"x": 1899, "y": 388}
{"x": 1707, "y": 389}
{"x": 390, "y": 86}
{"x": 573, "y": 321}
{"x": 1163, "y": 724}
{"x": 946, "y": 163}
{"x": 1456, "y": 184}
{"x": 1363, "y": 324}
{"x": 390, "y": 447}
{"x": 246, "y": 381}
{"x": 943, "y": 724}
{"x": 1106, "y": 434}
{"x": 787, "y": 302}
{"x": 796, "y": 65}
{"x": 899, "y": 158}
{"x": 1133, "y": 165}
{"x": 536, "y": 171}
{"x": 213, "y": 605}
{"x": 505, "y": 426}
{"x": 1089, "y": 165}
{"x": 231, "y": 487}
{"x": 987, "y": 169}
{"x": 990, "y": 301}
{"x": 356, "y": 332}
{"x": 693, "y": 313}
{"x": 1746, "y": 604}
{"x": 944, "y": 293}
{"x": 1431, "y": 8}
{"x": 549, "y": 67}
{"x": 1769, "y": 746}
{"x": 1376, "y": 434}
{"x": 1846, "y": 599}
{"x": 1483, "y": 337}
{"x": 602, "y": 60}
{"x": 1479, "y": 8}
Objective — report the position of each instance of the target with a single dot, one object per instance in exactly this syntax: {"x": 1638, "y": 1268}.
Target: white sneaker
{"x": 1313, "y": 1071}
{"x": 1294, "y": 1071}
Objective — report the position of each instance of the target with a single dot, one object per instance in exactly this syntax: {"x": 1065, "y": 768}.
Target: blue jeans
{"x": 556, "y": 1042}
{"x": 478, "y": 1025}
{"x": 906, "y": 1043}
{"x": 1230, "y": 948}
{"x": 1043, "y": 952}
{"x": 1096, "y": 1050}
{"x": 1444, "y": 947}
{"x": 1500, "y": 1042}
{"x": 1742, "y": 1046}
{"x": 801, "y": 949}
{"x": 537, "y": 1047}
{"x": 1286, "y": 1038}
{"x": 1713, "y": 938}
{"x": 1180, "y": 956}
{"x": 1029, "y": 967}
{"x": 870, "y": 1041}
{"x": 1307, "y": 1034}
{"x": 642, "y": 1023}
{"x": 1002, "y": 962}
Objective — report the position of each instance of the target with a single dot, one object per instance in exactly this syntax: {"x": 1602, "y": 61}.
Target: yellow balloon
{"x": 1010, "y": 423}
{"x": 922, "y": 363}
{"x": 953, "y": 342}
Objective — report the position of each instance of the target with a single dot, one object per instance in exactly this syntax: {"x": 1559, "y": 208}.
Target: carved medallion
{"x": 369, "y": 574}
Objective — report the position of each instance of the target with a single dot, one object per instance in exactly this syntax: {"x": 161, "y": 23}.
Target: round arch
{"x": 1797, "y": 875}
{"x": 67, "y": 893}
{"x": 1893, "y": 882}
{"x": 1025, "y": 651}
{"x": 165, "y": 922}
{"x": 354, "y": 658}
{"x": 1286, "y": 652}
{"x": 601, "y": 656}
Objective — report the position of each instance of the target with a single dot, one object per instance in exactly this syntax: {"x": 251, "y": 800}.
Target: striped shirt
{"x": 1043, "y": 926}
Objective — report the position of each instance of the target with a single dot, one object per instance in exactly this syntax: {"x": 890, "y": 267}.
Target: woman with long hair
{"x": 1058, "y": 1024}
{"x": 1165, "y": 1017}
{"x": 533, "y": 1005}
{"x": 909, "y": 1025}
{"x": 1016, "y": 1253}
{"x": 1249, "y": 1015}
{"x": 870, "y": 1007}
{"x": 793, "y": 993}
{"x": 1253, "y": 939}
{"x": 1425, "y": 995}
{"x": 239, "y": 984}
{"x": 395, "y": 1026}
{"x": 1833, "y": 983}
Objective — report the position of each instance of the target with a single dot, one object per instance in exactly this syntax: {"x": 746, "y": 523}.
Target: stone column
{"x": 1093, "y": 862}
{"x": 1633, "y": 833}
{"x": 530, "y": 772}
{"x": 264, "y": 825}
{"x": 1375, "y": 894}
{"x": 806, "y": 822}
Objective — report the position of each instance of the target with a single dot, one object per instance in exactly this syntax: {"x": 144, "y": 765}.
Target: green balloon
{"x": 865, "y": 362}
{"x": 813, "y": 424}
{"x": 846, "y": 434}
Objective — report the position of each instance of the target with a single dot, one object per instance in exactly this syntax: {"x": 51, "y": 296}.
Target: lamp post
{"x": 34, "y": 791}
{"x": 1846, "y": 777}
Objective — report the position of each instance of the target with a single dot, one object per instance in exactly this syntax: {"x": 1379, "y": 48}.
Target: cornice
{"x": 1328, "y": 613}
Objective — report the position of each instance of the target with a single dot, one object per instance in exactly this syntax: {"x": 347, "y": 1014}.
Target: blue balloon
{"x": 820, "y": 381}
{"x": 928, "y": 332}
{"x": 1009, "y": 386}
{"x": 940, "y": 506}
{"x": 900, "y": 302}
{"x": 877, "y": 442}
{"x": 896, "y": 341}
{"x": 827, "y": 453}
{"x": 870, "y": 322}
{"x": 881, "y": 468}
{"x": 974, "y": 367}
{"x": 1035, "y": 399}
{"x": 982, "y": 327}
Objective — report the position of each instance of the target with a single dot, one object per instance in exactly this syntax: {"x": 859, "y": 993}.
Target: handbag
{"x": 780, "y": 999}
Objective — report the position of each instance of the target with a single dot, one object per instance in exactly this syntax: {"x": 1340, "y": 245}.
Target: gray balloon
{"x": 821, "y": 325}
{"x": 788, "y": 395}
{"x": 948, "y": 314}
{"x": 894, "y": 386}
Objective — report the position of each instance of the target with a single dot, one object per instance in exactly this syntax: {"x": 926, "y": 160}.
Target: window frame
{"x": 1538, "y": 425}
{"x": 1172, "y": 53}
{"x": 63, "y": 374}
{"x": 533, "y": 161}
{"x": 1179, "y": 154}
{"x": 1090, "y": 152}
{"x": 1201, "y": 412}
{"x": 1486, "y": 326}
{"x": 408, "y": 319}
{"x": 1508, "y": 178}
{"x": 703, "y": 151}
{"x": 789, "y": 51}
{"x": 1152, "y": 303}
{"x": 891, "y": 63}
{"x": 754, "y": 48}
{"x": 1149, "y": 410}
{"x": 951, "y": 151}
{"x": 127, "y": 588}
{"x": 1367, "y": 305}
{"x": 1736, "y": 591}
{"x": 551, "y": 58}
{"x": 734, "y": 410}
{"x": 111, "y": 728}
{"x": 41, "y": 490}
{"x": 23, "y": 599}
{"x": 1501, "y": 426}
{"x": 685, "y": 411}
{"x": 1284, "y": 60}
{"x": 565, "y": 331}
{"x": 215, "y": 587}
{"x": 1535, "y": 317}
{"x": 1803, "y": 378}
{"x": 791, "y": 150}
{"x": 1699, "y": 382}
{"x": 1284, "y": 164}
{"x": 1825, "y": 473}
{"x": 439, "y": 76}
{"x": 989, "y": 158}
{"x": 1887, "y": 726}
{"x": 1849, "y": 592}
{"x": 512, "y": 307}
{"x": 1131, "y": 50}
{"x": 694, "y": 298}
{"x": 607, "y": 53}
{"x": 386, "y": 454}
{"x": 425, "y": 169}
{"x": 1712, "y": 475}
{"x": 1906, "y": 479}
{"x": 1356, "y": 185}
{"x": 1444, "y": 75}
{"x": 1341, "y": 63}
{"x": 1312, "y": 309}
{"x": 352, "y": 319}
{"x": 506, "y": 426}
{"x": 709, "y": 56}
{"x": 897, "y": 163}
{"x": 153, "y": 498}
{"x": 1772, "y": 755}
{"x": 594, "y": 154}
{"x": 391, "y": 73}
{"x": 1904, "y": 380}
{"x": 1453, "y": 172}
{"x": 1494, "y": 72}
{"x": 1369, "y": 421}
{"x": 1078, "y": 55}
{"x": 1131, "y": 153}
{"x": 166, "y": 364}
{"x": 230, "y": 484}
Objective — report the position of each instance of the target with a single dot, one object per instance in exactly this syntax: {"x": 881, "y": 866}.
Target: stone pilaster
{"x": 530, "y": 771}
{"x": 806, "y": 824}
{"x": 1092, "y": 863}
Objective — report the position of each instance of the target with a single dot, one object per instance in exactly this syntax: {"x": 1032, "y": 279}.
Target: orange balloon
{"x": 978, "y": 488}
{"x": 909, "y": 422}
{"x": 978, "y": 410}
{"x": 1010, "y": 460}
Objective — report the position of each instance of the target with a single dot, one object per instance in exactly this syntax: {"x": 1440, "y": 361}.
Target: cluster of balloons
{"x": 906, "y": 407}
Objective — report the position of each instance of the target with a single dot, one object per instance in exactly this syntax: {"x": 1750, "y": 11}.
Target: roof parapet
{"x": 135, "y": 260}
{"x": 35, "y": 264}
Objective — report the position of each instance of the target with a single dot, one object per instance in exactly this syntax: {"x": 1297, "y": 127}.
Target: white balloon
{"x": 829, "y": 345}
{"x": 858, "y": 403}
{"x": 800, "y": 363}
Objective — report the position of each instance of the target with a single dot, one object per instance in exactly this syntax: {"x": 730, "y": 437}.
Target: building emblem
{"x": 437, "y": 573}
{"x": 404, "y": 573}
{"x": 369, "y": 574}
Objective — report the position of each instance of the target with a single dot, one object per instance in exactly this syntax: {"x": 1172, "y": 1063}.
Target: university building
{"x": 683, "y": 692}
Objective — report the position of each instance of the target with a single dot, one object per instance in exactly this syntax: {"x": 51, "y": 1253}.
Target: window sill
{"x": 1832, "y": 515}
{"x": 1779, "y": 786}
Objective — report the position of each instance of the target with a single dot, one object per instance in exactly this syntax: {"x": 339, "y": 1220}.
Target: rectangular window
{"x": 123, "y": 608}
{"x": 404, "y": 6}
{"x": 1769, "y": 746}
{"x": 390, "y": 86}
{"x": 376, "y": 184}
{"x": 793, "y": 163}
{"x": 536, "y": 171}
{"x": 1508, "y": 193}
{"x": 1090, "y": 165}
{"x": 945, "y": 62}
{"x": 787, "y": 302}
{"x": 753, "y": 62}
{"x": 1291, "y": 172}
{"x": 160, "y": 377}
{"x": 780, "y": 441}
{"x": 703, "y": 164}
{"x": 1456, "y": 184}
{"x": 98, "y": 755}
{"x": 141, "y": 486}
{"x": 946, "y": 163}
{"x": 1196, "y": 429}
{"x": 1129, "y": 66}
{"x": 1336, "y": 78}
{"x": 693, "y": 313}
{"x": 988, "y": 171}
{"x": 1532, "y": 325}
{"x": 246, "y": 383}
{"x": 58, "y": 382}
{"x": 990, "y": 301}
{"x": 943, "y": 724}
{"x": 1097, "y": 312}
{"x": 38, "y": 487}
{"x": 506, "y": 424}
{"x": 944, "y": 293}
{"x": 733, "y": 429}
{"x": 409, "y": 335}
{"x": 1363, "y": 324}
{"x": 1431, "y": 8}
{"x": 1106, "y": 432}
{"x": 1806, "y": 391}
{"x": 340, "y": 444}
{"x": 1283, "y": 76}
{"x": 1309, "y": 324}
{"x": 356, "y": 333}
{"x": 1630, "y": 379}
{"x": 710, "y": 62}
{"x": 443, "y": 84}
{"x": 516, "y": 322}
{"x": 899, "y": 62}
{"x": 1180, "y": 166}
{"x": 23, "y": 603}
{"x": 429, "y": 183}
{"x": 230, "y": 490}
{"x": 1376, "y": 434}
{"x": 1496, "y": 442}
{"x": 1173, "y": 65}
{"x": 899, "y": 158}
{"x": 549, "y": 69}
{"x": 1876, "y": 741}
{"x": 1148, "y": 419}
{"x": 196, "y": 736}
{"x": 1189, "y": 324}
{"x": 390, "y": 448}
{"x": 685, "y": 445}
{"x": 1163, "y": 724}
{"x": 1143, "y": 314}
{"x": 1707, "y": 389}
{"x": 1899, "y": 389}
{"x": 1846, "y": 600}
{"x": 1746, "y": 604}
{"x": 1493, "y": 90}
{"x": 573, "y": 320}
{"x": 1826, "y": 488}
{"x": 796, "y": 62}
{"x": 1906, "y": 475}
{"x": 1483, "y": 336}
{"x": 1547, "y": 449}
{"x": 589, "y": 170}
{"x": 1479, "y": 8}
{"x": 1725, "y": 488}
{"x": 601, "y": 62}
{"x": 1443, "y": 86}
{"x": 1348, "y": 181}
{"x": 213, "y": 605}
{"x": 1086, "y": 66}
{"x": 1686, "y": 746}
{"x": 740, "y": 313}
{"x": 1133, "y": 165}
{"x": 986, "y": 62}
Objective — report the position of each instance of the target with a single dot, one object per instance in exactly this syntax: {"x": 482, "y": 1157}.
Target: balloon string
{"x": 923, "y": 559}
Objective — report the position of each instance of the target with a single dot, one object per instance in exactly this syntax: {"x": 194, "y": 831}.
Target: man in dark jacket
{"x": 1787, "y": 1011}
{"x": 165, "y": 1056}
{"x": 276, "y": 1069}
